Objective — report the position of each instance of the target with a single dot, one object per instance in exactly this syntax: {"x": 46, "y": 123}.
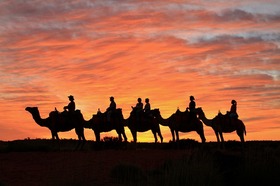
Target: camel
{"x": 181, "y": 122}
{"x": 57, "y": 122}
{"x": 221, "y": 124}
{"x": 98, "y": 123}
{"x": 142, "y": 123}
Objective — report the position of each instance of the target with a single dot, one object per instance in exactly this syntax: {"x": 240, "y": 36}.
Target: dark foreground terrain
{"x": 40, "y": 162}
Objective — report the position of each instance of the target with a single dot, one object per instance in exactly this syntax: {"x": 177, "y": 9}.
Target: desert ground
{"x": 40, "y": 162}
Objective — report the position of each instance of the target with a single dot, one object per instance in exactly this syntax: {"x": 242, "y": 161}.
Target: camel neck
{"x": 162, "y": 120}
{"x": 205, "y": 120}
{"x": 37, "y": 118}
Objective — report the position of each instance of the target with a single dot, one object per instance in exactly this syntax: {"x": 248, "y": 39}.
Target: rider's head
{"x": 233, "y": 101}
{"x": 71, "y": 98}
{"x": 191, "y": 98}
{"x": 111, "y": 98}
{"x": 139, "y": 100}
{"x": 147, "y": 100}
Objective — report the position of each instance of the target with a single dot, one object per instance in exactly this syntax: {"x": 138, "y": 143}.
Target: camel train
{"x": 137, "y": 122}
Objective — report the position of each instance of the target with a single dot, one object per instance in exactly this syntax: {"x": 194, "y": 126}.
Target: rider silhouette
{"x": 112, "y": 107}
{"x": 138, "y": 109}
{"x": 147, "y": 108}
{"x": 233, "y": 111}
{"x": 69, "y": 110}
{"x": 191, "y": 108}
{"x": 71, "y": 106}
{"x": 139, "y": 106}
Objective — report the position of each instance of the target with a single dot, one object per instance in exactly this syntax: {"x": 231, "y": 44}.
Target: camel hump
{"x": 117, "y": 112}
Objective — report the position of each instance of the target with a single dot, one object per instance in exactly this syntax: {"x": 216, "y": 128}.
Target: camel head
{"x": 200, "y": 112}
{"x": 199, "y": 109}
{"x": 32, "y": 110}
{"x": 155, "y": 112}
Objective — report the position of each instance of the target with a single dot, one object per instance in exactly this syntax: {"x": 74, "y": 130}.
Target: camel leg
{"x": 124, "y": 136}
{"x": 97, "y": 136}
{"x": 217, "y": 135}
{"x": 134, "y": 135}
{"x": 159, "y": 132}
{"x": 84, "y": 139}
{"x": 221, "y": 136}
{"x": 122, "y": 132}
{"x": 201, "y": 134}
{"x": 79, "y": 142}
{"x": 155, "y": 136}
{"x": 120, "y": 136}
{"x": 222, "y": 139}
{"x": 119, "y": 132}
{"x": 81, "y": 137}
{"x": 55, "y": 138}
{"x": 177, "y": 135}
{"x": 173, "y": 135}
{"x": 54, "y": 135}
{"x": 161, "y": 138}
{"x": 241, "y": 136}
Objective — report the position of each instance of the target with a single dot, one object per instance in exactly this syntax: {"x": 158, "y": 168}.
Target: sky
{"x": 162, "y": 50}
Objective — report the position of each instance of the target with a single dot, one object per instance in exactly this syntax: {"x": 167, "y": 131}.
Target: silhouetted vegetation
{"x": 257, "y": 163}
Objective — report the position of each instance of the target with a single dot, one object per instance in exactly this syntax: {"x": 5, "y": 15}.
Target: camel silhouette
{"x": 58, "y": 122}
{"x": 98, "y": 123}
{"x": 220, "y": 124}
{"x": 142, "y": 123}
{"x": 181, "y": 122}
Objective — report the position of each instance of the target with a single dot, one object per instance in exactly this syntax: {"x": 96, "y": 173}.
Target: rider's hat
{"x": 71, "y": 97}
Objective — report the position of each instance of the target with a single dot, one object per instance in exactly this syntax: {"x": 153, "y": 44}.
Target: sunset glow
{"x": 164, "y": 50}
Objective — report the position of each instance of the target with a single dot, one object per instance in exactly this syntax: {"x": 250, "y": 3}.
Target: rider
{"x": 139, "y": 105}
{"x": 112, "y": 107}
{"x": 138, "y": 109}
{"x": 147, "y": 108}
{"x": 71, "y": 106}
{"x": 69, "y": 110}
{"x": 191, "y": 108}
{"x": 233, "y": 111}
